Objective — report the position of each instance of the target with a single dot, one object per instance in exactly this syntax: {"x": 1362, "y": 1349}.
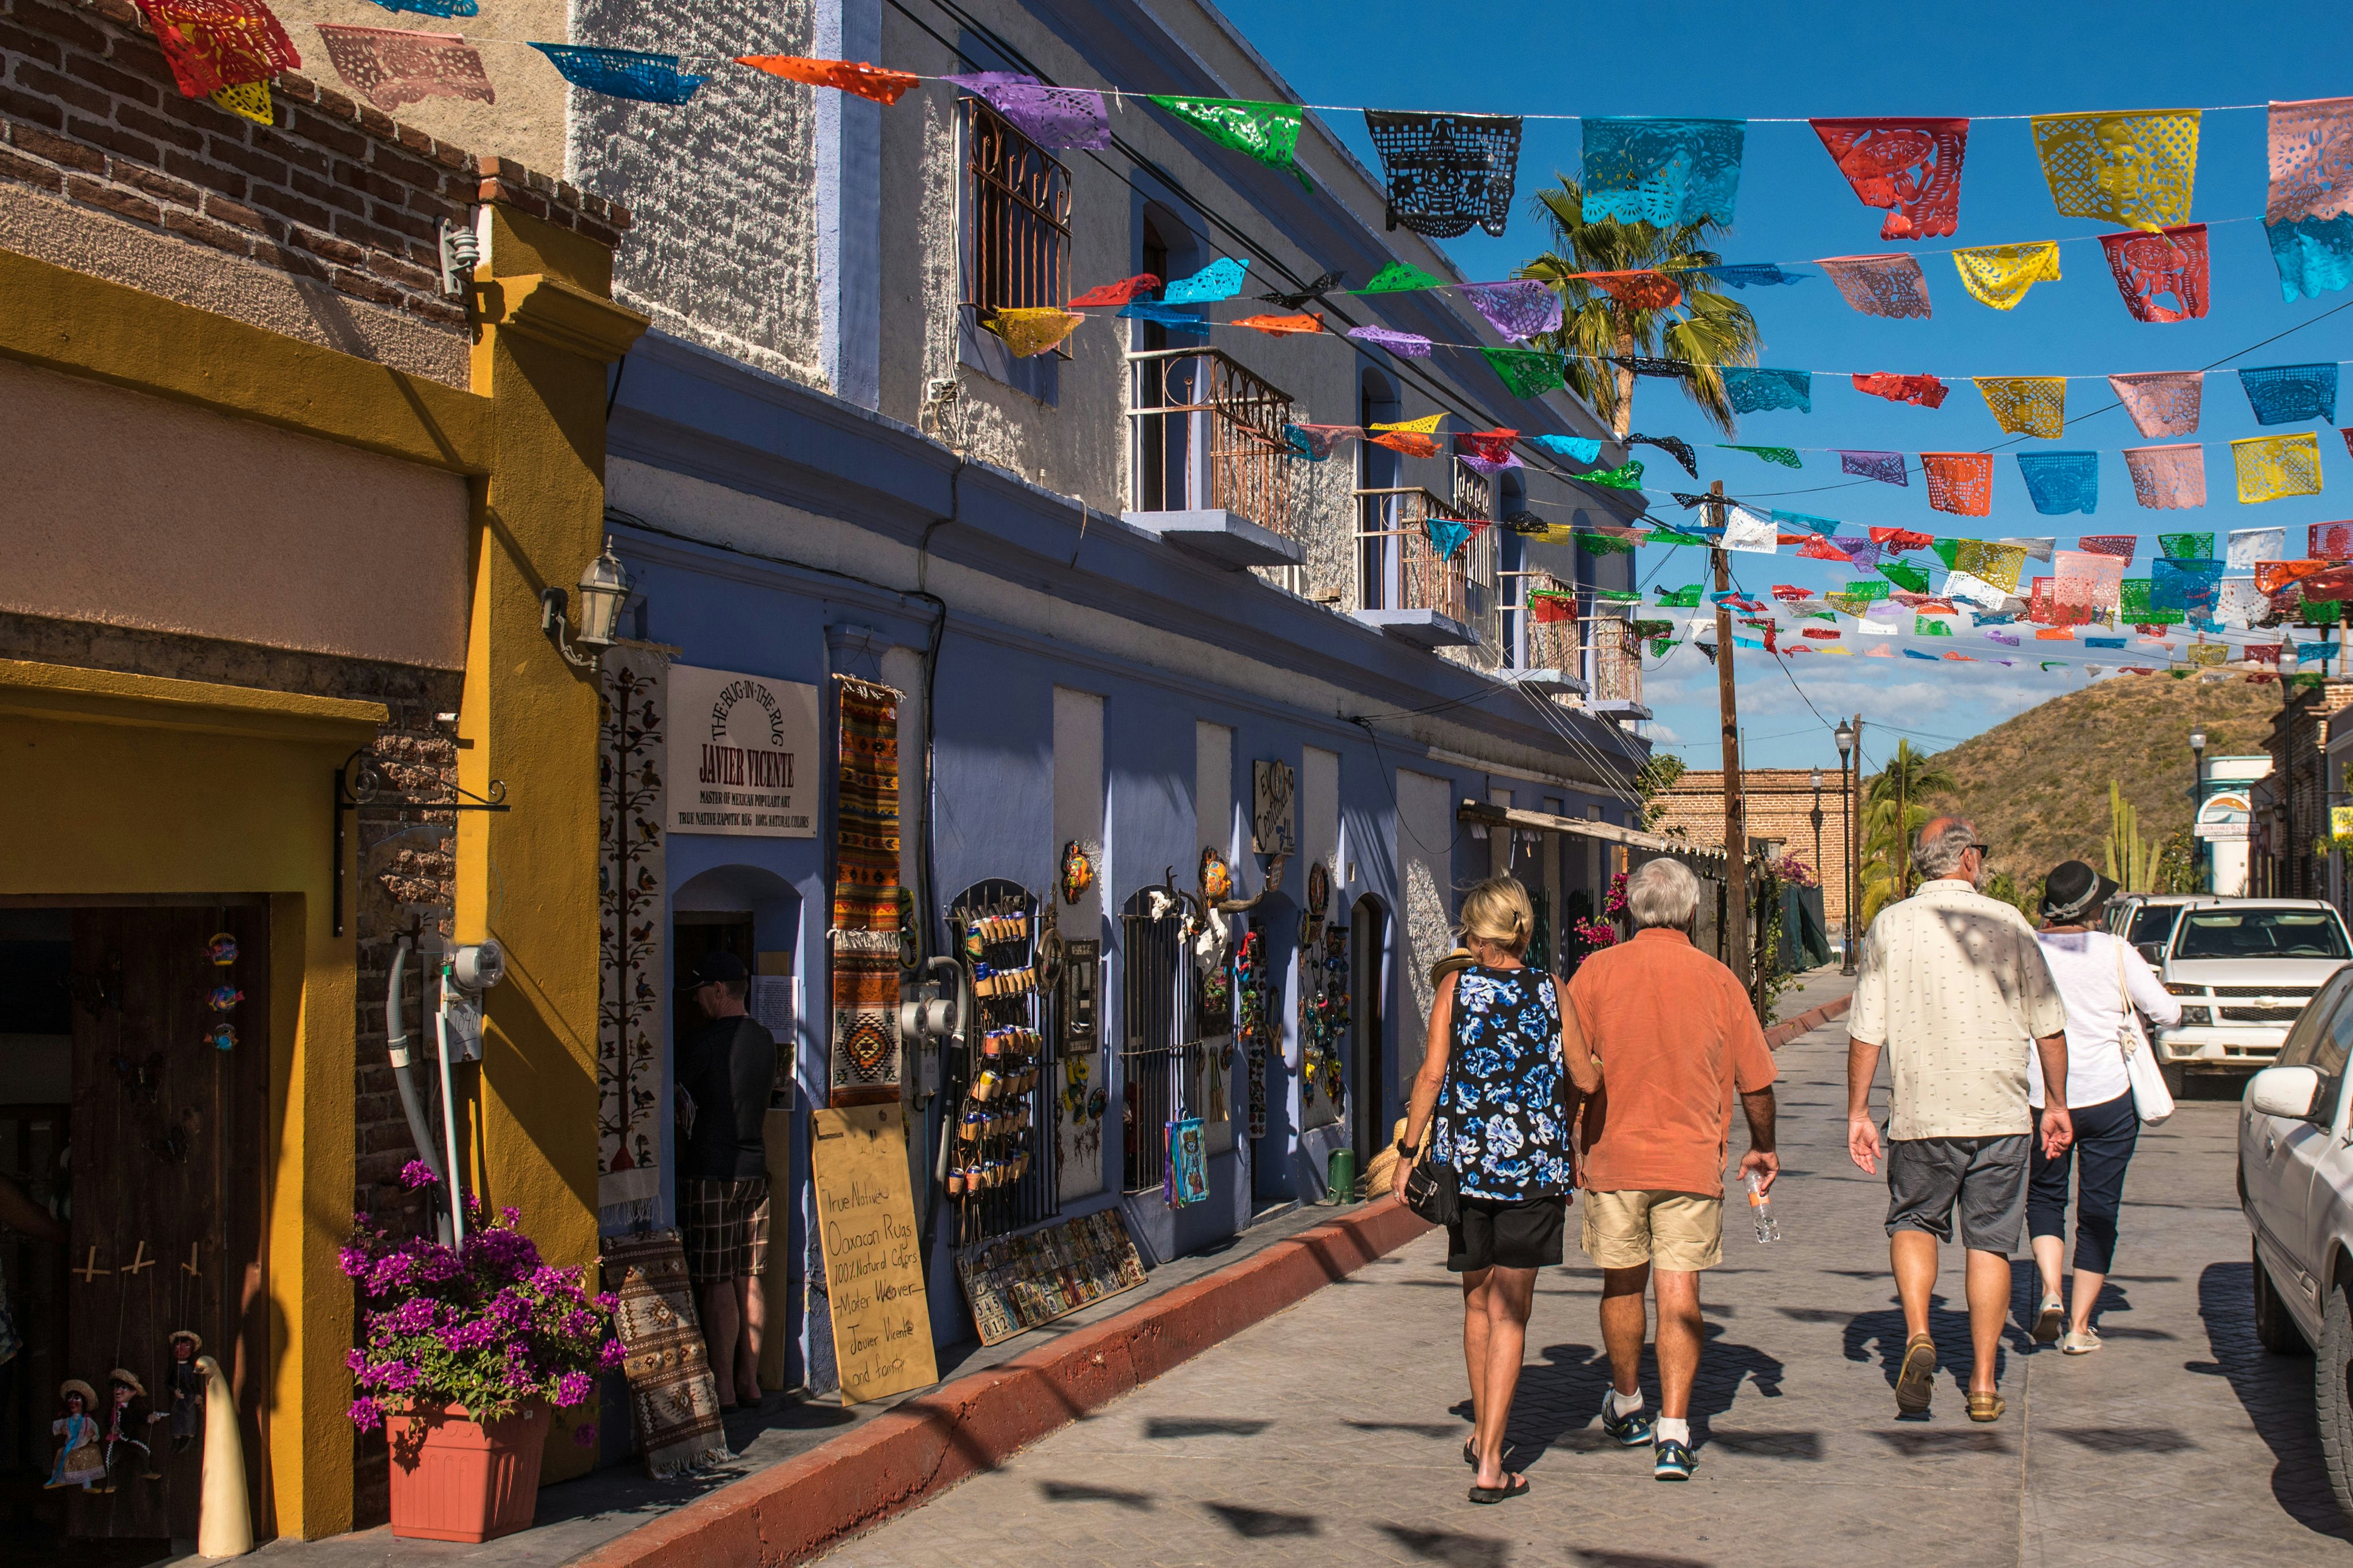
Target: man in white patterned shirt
{"x": 1954, "y": 986}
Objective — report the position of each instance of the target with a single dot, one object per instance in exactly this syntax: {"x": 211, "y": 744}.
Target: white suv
{"x": 2296, "y": 1185}
{"x": 2245, "y": 969}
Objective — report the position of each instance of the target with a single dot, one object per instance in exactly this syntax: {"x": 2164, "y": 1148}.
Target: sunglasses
{"x": 1982, "y": 848}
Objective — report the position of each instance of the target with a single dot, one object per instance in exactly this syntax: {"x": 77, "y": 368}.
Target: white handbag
{"x": 2152, "y": 1102}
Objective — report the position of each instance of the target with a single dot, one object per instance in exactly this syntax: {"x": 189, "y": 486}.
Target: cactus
{"x": 2132, "y": 859}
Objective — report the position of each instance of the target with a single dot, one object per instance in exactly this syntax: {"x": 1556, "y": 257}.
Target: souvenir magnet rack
{"x": 996, "y": 1162}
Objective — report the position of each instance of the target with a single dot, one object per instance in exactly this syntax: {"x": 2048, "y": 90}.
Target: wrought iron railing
{"x": 1205, "y": 433}
{"x": 1617, "y": 660}
{"x": 1399, "y": 569}
{"x": 1546, "y": 631}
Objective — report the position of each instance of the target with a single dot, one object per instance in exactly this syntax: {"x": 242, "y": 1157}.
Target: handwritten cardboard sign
{"x": 873, "y": 1257}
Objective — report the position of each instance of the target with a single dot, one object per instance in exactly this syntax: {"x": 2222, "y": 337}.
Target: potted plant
{"x": 462, "y": 1352}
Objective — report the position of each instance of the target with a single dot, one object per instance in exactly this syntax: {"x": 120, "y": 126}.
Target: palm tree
{"x": 1894, "y": 810}
{"x": 1707, "y": 330}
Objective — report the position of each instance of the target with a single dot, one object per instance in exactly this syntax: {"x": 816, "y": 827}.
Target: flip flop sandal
{"x": 1916, "y": 1379}
{"x": 1515, "y": 1486}
{"x": 1471, "y": 1455}
{"x": 1986, "y": 1406}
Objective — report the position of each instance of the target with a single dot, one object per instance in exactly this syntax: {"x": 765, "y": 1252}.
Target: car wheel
{"x": 2176, "y": 1076}
{"x": 2333, "y": 1396}
{"x": 2273, "y": 1326}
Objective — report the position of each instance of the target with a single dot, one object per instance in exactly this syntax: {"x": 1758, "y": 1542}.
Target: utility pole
{"x": 1852, "y": 809}
{"x": 1742, "y": 944}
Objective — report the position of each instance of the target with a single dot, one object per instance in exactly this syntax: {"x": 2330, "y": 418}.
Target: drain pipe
{"x": 448, "y": 1106}
{"x": 398, "y": 1048}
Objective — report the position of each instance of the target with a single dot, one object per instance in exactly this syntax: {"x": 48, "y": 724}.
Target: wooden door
{"x": 168, "y": 1187}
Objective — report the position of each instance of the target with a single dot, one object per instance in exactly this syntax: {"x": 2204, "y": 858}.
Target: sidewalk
{"x": 602, "y": 1509}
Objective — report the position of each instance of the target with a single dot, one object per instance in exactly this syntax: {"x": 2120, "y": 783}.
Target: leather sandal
{"x": 1916, "y": 1379}
{"x": 1514, "y": 1486}
{"x": 1986, "y": 1406}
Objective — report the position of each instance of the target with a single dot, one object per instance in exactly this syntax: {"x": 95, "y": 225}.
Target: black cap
{"x": 716, "y": 967}
{"x": 2073, "y": 891}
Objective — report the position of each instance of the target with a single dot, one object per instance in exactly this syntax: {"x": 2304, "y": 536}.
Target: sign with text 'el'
{"x": 873, "y": 1259}
{"x": 743, "y": 754}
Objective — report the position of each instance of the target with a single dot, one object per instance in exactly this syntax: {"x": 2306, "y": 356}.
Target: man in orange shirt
{"x": 1676, "y": 1039}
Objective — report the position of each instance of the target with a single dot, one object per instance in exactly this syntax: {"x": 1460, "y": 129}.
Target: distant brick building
{"x": 1780, "y": 805}
{"x": 2290, "y": 808}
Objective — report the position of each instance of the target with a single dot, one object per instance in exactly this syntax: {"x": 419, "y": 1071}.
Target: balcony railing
{"x": 1617, "y": 660}
{"x": 1398, "y": 568}
{"x": 1542, "y": 643}
{"x": 1207, "y": 434}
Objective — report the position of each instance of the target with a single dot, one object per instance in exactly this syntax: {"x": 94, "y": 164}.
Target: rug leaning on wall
{"x": 671, "y": 1391}
{"x": 865, "y": 1003}
{"x": 630, "y": 876}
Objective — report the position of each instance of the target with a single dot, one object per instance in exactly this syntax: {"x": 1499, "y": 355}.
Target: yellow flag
{"x": 1425, "y": 425}
{"x": 2134, "y": 168}
{"x": 251, "y": 98}
{"x": 1033, "y": 331}
{"x": 2030, "y": 404}
{"x": 1999, "y": 565}
{"x": 1999, "y": 275}
{"x": 2270, "y": 467}
{"x": 1840, "y": 648}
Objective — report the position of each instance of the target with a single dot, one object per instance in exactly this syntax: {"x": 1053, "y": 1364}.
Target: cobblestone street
{"x": 1331, "y": 1433}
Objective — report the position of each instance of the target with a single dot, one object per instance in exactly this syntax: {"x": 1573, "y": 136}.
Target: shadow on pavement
{"x": 1882, "y": 1333}
{"x": 2276, "y": 1391}
{"x": 1451, "y": 1550}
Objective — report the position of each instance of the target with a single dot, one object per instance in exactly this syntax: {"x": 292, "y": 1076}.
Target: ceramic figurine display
{"x": 78, "y": 1462}
{"x": 184, "y": 1385}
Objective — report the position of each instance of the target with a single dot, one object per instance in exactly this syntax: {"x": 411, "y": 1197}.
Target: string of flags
{"x": 1444, "y": 171}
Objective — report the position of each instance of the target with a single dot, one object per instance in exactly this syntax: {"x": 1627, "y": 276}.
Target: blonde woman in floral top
{"x": 1510, "y": 1063}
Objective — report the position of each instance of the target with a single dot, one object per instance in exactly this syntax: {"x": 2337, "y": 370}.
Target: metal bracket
{"x": 358, "y": 783}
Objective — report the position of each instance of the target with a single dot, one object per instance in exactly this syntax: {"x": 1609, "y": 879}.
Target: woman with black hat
{"x": 2104, "y": 982}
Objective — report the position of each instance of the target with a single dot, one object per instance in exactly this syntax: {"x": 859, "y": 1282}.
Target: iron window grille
{"x": 1017, "y": 246}
{"x": 1162, "y": 1059}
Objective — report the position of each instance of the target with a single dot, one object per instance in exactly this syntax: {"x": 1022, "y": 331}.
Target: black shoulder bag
{"x": 1434, "y": 1191}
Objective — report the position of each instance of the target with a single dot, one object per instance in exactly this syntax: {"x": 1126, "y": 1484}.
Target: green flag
{"x": 1267, "y": 132}
{"x": 1529, "y": 372}
{"x": 1397, "y": 278}
{"x": 1903, "y": 574}
{"x": 1785, "y": 455}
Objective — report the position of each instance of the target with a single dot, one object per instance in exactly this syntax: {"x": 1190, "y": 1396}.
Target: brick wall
{"x": 1780, "y": 805}
{"x": 333, "y": 191}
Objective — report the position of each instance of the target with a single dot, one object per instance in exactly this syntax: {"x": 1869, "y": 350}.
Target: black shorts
{"x": 1493, "y": 1233}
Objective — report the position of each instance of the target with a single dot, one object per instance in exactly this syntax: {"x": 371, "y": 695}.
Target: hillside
{"x": 2037, "y": 786}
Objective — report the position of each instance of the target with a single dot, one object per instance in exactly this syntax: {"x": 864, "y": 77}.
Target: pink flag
{"x": 390, "y": 67}
{"x": 2161, "y": 402}
{"x": 1880, "y": 285}
{"x": 2167, "y": 479}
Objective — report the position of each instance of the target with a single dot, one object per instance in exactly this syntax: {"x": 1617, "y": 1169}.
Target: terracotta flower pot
{"x": 453, "y": 1479}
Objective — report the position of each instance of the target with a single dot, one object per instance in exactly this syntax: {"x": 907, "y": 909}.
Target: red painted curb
{"x": 906, "y": 1455}
{"x": 1780, "y": 1035}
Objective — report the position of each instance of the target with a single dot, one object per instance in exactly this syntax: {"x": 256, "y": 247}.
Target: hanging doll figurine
{"x": 187, "y": 1389}
{"x": 79, "y": 1463}
{"x": 123, "y": 1386}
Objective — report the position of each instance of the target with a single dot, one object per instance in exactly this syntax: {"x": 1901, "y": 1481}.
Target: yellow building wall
{"x": 133, "y": 785}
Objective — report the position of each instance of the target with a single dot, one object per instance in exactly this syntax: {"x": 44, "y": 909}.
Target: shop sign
{"x": 743, "y": 754}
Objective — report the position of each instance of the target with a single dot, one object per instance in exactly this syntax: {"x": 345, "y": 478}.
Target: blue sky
{"x": 1795, "y": 61}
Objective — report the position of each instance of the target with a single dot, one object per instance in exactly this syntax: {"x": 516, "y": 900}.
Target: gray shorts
{"x": 1986, "y": 1176}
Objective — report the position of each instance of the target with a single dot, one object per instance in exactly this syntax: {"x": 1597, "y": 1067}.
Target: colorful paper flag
{"x": 645, "y": 78}
{"x": 1959, "y": 482}
{"x": 1880, "y": 285}
{"x": 2167, "y": 479}
{"x": 2269, "y": 468}
{"x": 2061, "y": 482}
{"x": 1527, "y": 373}
{"x": 2161, "y": 402}
{"x": 2123, "y": 546}
{"x": 2170, "y": 264}
{"x": 1887, "y": 468}
{"x": 1399, "y": 278}
{"x": 1787, "y": 457}
{"x": 1032, "y": 330}
{"x": 390, "y": 67}
{"x": 1266, "y": 132}
{"x": 1912, "y": 167}
{"x": 1410, "y": 345}
{"x": 1220, "y": 280}
{"x": 1575, "y": 449}
{"x": 2137, "y": 168}
{"x": 2292, "y": 393}
{"x": 1999, "y": 275}
{"x": 1518, "y": 309}
{"x": 1447, "y": 172}
{"x": 1662, "y": 172}
{"x": 1107, "y": 294}
{"x": 1281, "y": 326}
{"x": 2309, "y": 215}
{"x": 1924, "y": 390}
{"x": 215, "y": 44}
{"x": 846, "y": 76}
{"x": 1052, "y": 117}
{"x": 2027, "y": 404}
{"x": 2248, "y": 547}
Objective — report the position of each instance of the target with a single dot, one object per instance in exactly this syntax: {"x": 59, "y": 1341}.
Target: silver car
{"x": 2245, "y": 969}
{"x": 2296, "y": 1186}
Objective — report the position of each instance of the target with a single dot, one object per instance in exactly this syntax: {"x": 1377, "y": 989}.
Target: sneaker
{"x": 1631, "y": 1430}
{"x": 2049, "y": 1318}
{"x": 1670, "y": 1461}
{"x": 2081, "y": 1342}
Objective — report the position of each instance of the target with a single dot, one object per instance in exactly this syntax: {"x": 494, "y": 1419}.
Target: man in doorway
{"x": 1954, "y": 986}
{"x": 1677, "y": 1040}
{"x": 724, "y": 1072}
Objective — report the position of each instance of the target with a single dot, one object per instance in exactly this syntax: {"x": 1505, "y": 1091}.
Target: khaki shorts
{"x": 1678, "y": 1231}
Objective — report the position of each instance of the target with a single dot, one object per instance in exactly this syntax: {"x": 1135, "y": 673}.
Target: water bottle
{"x": 1760, "y": 1209}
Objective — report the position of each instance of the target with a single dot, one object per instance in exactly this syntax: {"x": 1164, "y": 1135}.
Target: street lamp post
{"x": 2196, "y": 789}
{"x": 1846, "y": 738}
